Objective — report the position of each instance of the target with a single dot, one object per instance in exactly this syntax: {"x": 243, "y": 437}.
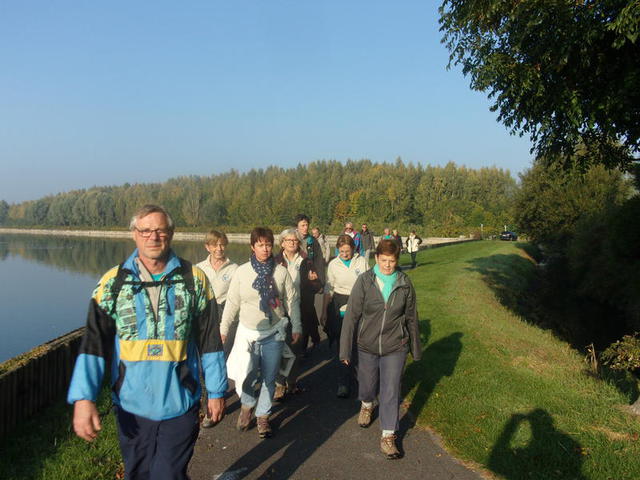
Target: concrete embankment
{"x": 196, "y": 236}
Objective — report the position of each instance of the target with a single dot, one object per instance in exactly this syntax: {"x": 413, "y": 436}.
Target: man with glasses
{"x": 154, "y": 319}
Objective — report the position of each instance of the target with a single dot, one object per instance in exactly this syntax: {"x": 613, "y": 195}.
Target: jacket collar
{"x": 130, "y": 264}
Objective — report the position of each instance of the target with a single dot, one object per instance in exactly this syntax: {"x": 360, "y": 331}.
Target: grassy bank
{"x": 501, "y": 392}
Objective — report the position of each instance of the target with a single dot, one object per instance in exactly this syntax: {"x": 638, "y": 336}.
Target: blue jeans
{"x": 265, "y": 356}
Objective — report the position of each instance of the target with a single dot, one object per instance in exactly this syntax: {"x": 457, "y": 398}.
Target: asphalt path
{"x": 316, "y": 436}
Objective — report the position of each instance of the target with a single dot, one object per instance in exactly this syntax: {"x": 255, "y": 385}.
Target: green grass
{"x": 504, "y": 393}
{"x": 45, "y": 447}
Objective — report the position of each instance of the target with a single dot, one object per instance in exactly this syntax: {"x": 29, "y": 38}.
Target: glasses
{"x": 291, "y": 240}
{"x": 147, "y": 232}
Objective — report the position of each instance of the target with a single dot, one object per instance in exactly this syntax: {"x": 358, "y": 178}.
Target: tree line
{"x": 445, "y": 200}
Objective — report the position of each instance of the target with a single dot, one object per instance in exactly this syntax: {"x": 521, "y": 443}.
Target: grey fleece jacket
{"x": 381, "y": 328}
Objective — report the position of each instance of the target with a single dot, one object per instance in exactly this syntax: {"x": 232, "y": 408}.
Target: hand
{"x": 223, "y": 338}
{"x": 295, "y": 337}
{"x": 346, "y": 362}
{"x": 313, "y": 276}
{"x": 86, "y": 421}
{"x": 215, "y": 409}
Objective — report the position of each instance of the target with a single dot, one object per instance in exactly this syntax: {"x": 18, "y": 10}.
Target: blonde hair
{"x": 214, "y": 236}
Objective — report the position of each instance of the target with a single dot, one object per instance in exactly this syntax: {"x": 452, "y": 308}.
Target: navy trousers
{"x": 157, "y": 450}
{"x": 381, "y": 375}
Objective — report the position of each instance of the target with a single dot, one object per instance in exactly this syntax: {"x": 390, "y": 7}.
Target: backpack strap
{"x": 116, "y": 286}
{"x": 185, "y": 270}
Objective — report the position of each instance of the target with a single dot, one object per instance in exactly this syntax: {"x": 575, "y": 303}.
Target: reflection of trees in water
{"x": 93, "y": 255}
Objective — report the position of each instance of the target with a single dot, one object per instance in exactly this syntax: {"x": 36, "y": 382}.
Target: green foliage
{"x": 564, "y": 72}
{"x": 501, "y": 391}
{"x": 438, "y": 201}
{"x": 623, "y": 354}
{"x": 552, "y": 200}
{"x": 4, "y": 211}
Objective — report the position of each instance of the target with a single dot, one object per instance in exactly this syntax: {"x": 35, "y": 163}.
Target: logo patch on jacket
{"x": 155, "y": 350}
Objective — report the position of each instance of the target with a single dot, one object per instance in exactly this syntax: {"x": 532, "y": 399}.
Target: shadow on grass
{"x": 549, "y": 452}
{"x": 438, "y": 360}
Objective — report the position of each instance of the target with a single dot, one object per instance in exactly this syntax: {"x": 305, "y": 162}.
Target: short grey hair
{"x": 287, "y": 232}
{"x": 148, "y": 209}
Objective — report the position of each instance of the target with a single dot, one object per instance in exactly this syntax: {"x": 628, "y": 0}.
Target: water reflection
{"x": 46, "y": 282}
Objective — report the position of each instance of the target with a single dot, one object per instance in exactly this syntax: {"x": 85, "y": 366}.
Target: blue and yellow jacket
{"x": 153, "y": 358}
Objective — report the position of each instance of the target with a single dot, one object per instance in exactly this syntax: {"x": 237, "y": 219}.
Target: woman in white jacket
{"x": 413, "y": 245}
{"x": 341, "y": 275}
{"x": 265, "y": 300}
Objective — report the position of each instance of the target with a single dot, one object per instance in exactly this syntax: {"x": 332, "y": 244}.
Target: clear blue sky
{"x": 103, "y": 93}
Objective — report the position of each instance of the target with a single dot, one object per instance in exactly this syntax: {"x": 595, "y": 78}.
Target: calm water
{"x": 46, "y": 283}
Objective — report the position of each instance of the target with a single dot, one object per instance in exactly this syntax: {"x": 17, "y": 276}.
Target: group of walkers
{"x": 160, "y": 324}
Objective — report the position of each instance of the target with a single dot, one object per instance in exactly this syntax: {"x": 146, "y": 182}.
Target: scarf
{"x": 387, "y": 280}
{"x": 346, "y": 262}
{"x": 264, "y": 284}
{"x": 309, "y": 246}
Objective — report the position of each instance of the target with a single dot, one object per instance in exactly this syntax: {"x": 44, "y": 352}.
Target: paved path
{"x": 316, "y": 437}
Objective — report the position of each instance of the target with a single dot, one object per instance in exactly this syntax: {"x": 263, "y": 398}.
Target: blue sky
{"x": 103, "y": 93}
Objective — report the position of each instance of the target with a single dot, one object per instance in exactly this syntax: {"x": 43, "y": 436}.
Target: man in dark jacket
{"x": 367, "y": 241}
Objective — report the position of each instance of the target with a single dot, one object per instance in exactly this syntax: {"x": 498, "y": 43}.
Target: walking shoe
{"x": 264, "y": 429}
{"x": 343, "y": 391}
{"x": 364, "y": 418}
{"x": 244, "y": 419}
{"x": 280, "y": 392}
{"x": 388, "y": 447}
{"x": 207, "y": 422}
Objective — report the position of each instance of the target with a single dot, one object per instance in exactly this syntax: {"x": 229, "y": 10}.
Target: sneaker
{"x": 264, "y": 429}
{"x": 207, "y": 422}
{"x": 388, "y": 447}
{"x": 364, "y": 418}
{"x": 244, "y": 419}
{"x": 280, "y": 392}
{"x": 343, "y": 391}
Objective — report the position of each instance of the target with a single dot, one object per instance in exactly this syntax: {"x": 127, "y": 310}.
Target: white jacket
{"x": 244, "y": 300}
{"x": 413, "y": 243}
{"x": 340, "y": 278}
{"x": 220, "y": 279}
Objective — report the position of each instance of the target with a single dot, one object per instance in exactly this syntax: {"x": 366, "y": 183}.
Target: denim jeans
{"x": 265, "y": 356}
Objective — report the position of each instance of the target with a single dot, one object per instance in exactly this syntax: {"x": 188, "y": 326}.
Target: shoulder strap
{"x": 116, "y": 286}
{"x": 186, "y": 270}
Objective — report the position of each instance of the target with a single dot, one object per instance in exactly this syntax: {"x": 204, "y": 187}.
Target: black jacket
{"x": 381, "y": 328}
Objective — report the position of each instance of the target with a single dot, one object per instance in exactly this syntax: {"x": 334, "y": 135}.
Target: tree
{"x": 4, "y": 211}
{"x": 552, "y": 200}
{"x": 565, "y": 72}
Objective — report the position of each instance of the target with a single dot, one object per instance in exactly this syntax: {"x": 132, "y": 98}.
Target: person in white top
{"x": 341, "y": 276}
{"x": 413, "y": 245}
{"x": 219, "y": 270}
{"x": 307, "y": 283}
{"x": 264, "y": 300}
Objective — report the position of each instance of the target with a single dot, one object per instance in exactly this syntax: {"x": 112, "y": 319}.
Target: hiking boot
{"x": 364, "y": 418}
{"x": 280, "y": 392}
{"x": 343, "y": 391}
{"x": 388, "y": 447}
{"x": 207, "y": 422}
{"x": 264, "y": 429}
{"x": 244, "y": 419}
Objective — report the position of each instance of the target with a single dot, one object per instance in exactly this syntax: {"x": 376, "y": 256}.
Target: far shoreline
{"x": 240, "y": 238}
